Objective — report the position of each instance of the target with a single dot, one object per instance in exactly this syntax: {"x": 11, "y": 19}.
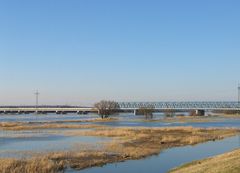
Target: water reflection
{"x": 168, "y": 159}
{"x": 18, "y": 144}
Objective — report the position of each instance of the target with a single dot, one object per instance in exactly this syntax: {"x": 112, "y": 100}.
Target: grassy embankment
{"x": 224, "y": 163}
{"x": 127, "y": 144}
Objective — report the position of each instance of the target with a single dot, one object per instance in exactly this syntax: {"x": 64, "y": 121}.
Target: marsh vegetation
{"x": 122, "y": 144}
{"x": 125, "y": 144}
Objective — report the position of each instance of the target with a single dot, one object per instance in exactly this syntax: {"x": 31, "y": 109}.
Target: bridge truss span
{"x": 181, "y": 105}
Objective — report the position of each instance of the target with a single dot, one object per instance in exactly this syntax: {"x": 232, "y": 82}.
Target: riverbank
{"x": 54, "y": 125}
{"x": 226, "y": 115}
{"x": 126, "y": 144}
{"x": 224, "y": 163}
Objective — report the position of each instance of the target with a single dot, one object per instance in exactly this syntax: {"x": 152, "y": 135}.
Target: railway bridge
{"x": 199, "y": 107}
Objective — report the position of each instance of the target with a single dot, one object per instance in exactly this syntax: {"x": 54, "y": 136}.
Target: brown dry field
{"x": 224, "y": 163}
{"x": 126, "y": 144}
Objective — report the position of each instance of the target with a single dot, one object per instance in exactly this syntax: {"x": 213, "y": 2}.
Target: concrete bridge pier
{"x": 136, "y": 112}
{"x": 5, "y": 112}
{"x": 199, "y": 112}
{"x": 83, "y": 112}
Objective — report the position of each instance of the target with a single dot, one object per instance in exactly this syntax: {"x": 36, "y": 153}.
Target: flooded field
{"x": 31, "y": 135}
{"x": 19, "y": 144}
{"x": 126, "y": 119}
{"x": 169, "y": 158}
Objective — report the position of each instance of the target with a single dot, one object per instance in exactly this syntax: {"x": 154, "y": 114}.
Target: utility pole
{"x": 36, "y": 94}
{"x": 238, "y": 106}
{"x": 238, "y": 98}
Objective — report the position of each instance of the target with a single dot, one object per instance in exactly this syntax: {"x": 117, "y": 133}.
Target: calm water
{"x": 168, "y": 159}
{"x": 124, "y": 120}
{"x": 18, "y": 143}
{"x": 44, "y": 117}
{"x": 223, "y": 122}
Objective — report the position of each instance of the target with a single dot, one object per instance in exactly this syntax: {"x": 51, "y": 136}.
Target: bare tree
{"x": 169, "y": 112}
{"x": 106, "y": 108}
{"x": 147, "y": 111}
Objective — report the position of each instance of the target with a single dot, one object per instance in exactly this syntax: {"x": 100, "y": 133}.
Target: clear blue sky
{"x": 81, "y": 51}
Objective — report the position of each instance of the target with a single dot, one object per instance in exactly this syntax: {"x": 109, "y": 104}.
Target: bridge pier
{"x": 6, "y": 112}
{"x": 136, "y": 112}
{"x": 199, "y": 112}
{"x": 20, "y": 112}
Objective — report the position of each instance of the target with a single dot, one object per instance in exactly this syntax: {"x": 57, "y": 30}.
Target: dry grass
{"x": 35, "y": 165}
{"x": 136, "y": 143}
{"x": 225, "y": 163}
{"x": 226, "y": 115}
{"x": 182, "y": 119}
{"x": 185, "y": 119}
{"x": 56, "y": 162}
{"x": 127, "y": 144}
{"x": 190, "y": 119}
{"x": 33, "y": 126}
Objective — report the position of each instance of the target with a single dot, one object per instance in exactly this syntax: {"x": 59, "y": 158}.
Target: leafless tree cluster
{"x": 147, "y": 111}
{"x": 169, "y": 112}
{"x": 106, "y": 108}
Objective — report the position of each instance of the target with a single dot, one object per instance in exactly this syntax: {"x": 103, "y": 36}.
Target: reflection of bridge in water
{"x": 199, "y": 107}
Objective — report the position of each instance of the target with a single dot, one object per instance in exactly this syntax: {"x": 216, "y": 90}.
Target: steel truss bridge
{"x": 181, "y": 105}
{"x": 128, "y": 106}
